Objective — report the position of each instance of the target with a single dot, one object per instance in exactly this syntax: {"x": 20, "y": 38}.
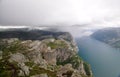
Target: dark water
{"x": 104, "y": 60}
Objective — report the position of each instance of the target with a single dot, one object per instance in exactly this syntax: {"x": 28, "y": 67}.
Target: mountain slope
{"x": 110, "y": 36}
{"x": 35, "y": 53}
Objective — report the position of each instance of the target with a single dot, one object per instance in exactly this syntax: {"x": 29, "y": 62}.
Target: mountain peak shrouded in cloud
{"x": 75, "y": 31}
{"x": 55, "y": 12}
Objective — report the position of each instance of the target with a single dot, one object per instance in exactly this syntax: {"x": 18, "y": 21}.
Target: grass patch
{"x": 37, "y": 70}
{"x": 57, "y": 44}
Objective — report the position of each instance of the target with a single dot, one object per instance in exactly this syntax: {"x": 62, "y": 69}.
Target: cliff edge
{"x": 36, "y": 53}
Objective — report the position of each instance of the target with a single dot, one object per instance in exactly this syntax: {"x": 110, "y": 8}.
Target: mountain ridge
{"x": 110, "y": 36}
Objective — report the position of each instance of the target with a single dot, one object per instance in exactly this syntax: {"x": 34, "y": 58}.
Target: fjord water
{"x": 104, "y": 60}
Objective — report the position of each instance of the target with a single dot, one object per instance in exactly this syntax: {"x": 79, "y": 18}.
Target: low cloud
{"x": 83, "y": 16}
{"x": 56, "y": 12}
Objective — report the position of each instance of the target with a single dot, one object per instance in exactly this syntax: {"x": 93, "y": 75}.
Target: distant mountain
{"x": 110, "y": 36}
{"x": 38, "y": 53}
{"x": 35, "y": 34}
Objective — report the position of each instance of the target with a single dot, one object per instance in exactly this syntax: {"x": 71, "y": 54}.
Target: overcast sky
{"x": 83, "y": 13}
{"x": 63, "y": 12}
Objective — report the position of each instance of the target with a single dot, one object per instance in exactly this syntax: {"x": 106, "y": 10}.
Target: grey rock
{"x": 24, "y": 70}
{"x": 17, "y": 57}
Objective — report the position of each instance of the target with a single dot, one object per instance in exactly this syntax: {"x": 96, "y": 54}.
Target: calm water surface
{"x": 104, "y": 60}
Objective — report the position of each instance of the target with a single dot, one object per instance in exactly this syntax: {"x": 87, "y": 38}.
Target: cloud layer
{"x": 59, "y": 12}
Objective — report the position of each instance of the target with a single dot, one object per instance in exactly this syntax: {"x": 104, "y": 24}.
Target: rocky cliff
{"x": 36, "y": 53}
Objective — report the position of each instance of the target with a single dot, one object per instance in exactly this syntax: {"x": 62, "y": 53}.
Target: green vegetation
{"x": 74, "y": 60}
{"x": 12, "y": 48}
{"x": 57, "y": 44}
{"x": 30, "y": 64}
{"x": 2, "y": 44}
{"x": 8, "y": 69}
{"x": 37, "y": 70}
{"x": 87, "y": 68}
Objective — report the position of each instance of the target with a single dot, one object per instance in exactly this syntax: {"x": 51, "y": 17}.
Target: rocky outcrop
{"x": 48, "y": 57}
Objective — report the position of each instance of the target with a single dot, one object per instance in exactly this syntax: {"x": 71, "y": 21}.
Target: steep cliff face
{"x": 47, "y": 57}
